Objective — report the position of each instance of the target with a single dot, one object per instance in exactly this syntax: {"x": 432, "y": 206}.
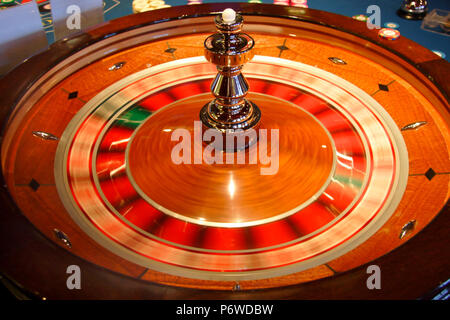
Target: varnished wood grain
{"x": 421, "y": 197}
{"x": 312, "y": 274}
{"x": 46, "y": 212}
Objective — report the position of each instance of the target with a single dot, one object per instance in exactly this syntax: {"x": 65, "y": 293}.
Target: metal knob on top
{"x": 229, "y": 49}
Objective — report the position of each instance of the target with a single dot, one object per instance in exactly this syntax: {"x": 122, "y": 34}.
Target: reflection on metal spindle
{"x": 229, "y": 49}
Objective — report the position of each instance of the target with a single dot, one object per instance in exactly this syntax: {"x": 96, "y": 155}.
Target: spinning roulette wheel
{"x": 109, "y": 161}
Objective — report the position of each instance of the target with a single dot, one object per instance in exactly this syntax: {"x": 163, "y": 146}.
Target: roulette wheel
{"x": 117, "y": 158}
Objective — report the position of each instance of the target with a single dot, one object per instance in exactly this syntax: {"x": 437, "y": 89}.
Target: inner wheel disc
{"x": 223, "y": 189}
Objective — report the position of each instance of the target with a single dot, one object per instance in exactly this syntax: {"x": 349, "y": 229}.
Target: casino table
{"x": 352, "y": 170}
{"x": 409, "y": 28}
